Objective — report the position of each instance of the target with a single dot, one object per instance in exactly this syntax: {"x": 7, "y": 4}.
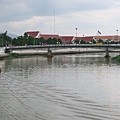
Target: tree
{"x": 20, "y": 41}
{"x": 82, "y": 42}
{"x": 25, "y": 35}
{"x": 77, "y": 41}
{"x": 14, "y": 42}
{"x": 30, "y": 40}
{"x": 52, "y": 41}
{"x": 40, "y": 41}
{"x": 100, "y": 41}
{"x": 59, "y": 41}
{"x": 4, "y": 39}
{"x": 93, "y": 41}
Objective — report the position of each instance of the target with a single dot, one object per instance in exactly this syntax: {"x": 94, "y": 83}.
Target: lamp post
{"x": 117, "y": 32}
{"x": 76, "y": 31}
{"x": 117, "y": 35}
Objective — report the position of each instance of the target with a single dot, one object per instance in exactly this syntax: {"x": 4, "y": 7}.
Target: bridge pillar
{"x": 0, "y": 70}
{"x": 107, "y": 53}
{"x": 49, "y": 54}
{"x": 7, "y": 51}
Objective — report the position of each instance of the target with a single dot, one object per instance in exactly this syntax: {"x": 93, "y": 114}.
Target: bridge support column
{"x": 0, "y": 69}
{"x": 49, "y": 54}
{"x": 107, "y": 53}
{"x": 7, "y": 51}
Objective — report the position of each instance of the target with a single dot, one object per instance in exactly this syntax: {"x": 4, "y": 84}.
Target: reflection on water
{"x": 74, "y": 87}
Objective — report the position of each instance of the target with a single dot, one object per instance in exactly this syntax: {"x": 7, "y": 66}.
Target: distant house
{"x": 71, "y": 39}
{"x": 87, "y": 39}
{"x": 104, "y": 38}
{"x": 35, "y": 34}
{"x": 47, "y": 36}
{"x": 67, "y": 39}
{"x": 110, "y": 37}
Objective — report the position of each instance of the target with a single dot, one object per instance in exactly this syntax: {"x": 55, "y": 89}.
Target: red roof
{"x": 47, "y": 36}
{"x": 66, "y": 39}
{"x": 33, "y": 33}
{"x": 87, "y": 39}
{"x": 114, "y": 37}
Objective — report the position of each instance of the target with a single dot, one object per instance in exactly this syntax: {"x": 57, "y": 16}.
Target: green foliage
{"x": 40, "y": 41}
{"x": 54, "y": 41}
{"x": 93, "y": 41}
{"x": 100, "y": 40}
{"x": 82, "y": 42}
{"x": 77, "y": 41}
{"x": 59, "y": 41}
{"x": 29, "y": 40}
{"x": 117, "y": 58}
{"x": 4, "y": 39}
{"x": 113, "y": 42}
{"x": 13, "y": 55}
{"x": 23, "y": 40}
{"x": 25, "y": 35}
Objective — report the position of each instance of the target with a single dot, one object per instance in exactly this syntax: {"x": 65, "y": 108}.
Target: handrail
{"x": 62, "y": 45}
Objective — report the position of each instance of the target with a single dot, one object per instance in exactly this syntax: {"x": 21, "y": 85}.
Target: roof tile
{"x": 33, "y": 33}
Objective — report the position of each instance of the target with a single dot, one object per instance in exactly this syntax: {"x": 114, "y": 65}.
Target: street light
{"x": 76, "y": 31}
{"x": 117, "y": 32}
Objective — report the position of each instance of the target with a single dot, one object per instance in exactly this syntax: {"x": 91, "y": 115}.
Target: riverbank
{"x": 3, "y": 55}
{"x": 117, "y": 58}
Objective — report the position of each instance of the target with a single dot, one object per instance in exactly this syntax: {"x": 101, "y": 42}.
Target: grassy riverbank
{"x": 13, "y": 55}
{"x": 117, "y": 58}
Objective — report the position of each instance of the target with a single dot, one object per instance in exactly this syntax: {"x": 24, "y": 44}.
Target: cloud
{"x": 41, "y": 23}
{"x": 13, "y": 11}
{"x": 89, "y": 22}
{"x": 87, "y": 15}
{"x": 68, "y": 6}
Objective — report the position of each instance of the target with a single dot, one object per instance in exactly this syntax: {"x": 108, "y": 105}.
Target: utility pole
{"x": 117, "y": 35}
{"x": 76, "y": 31}
{"x": 117, "y": 32}
{"x": 54, "y": 21}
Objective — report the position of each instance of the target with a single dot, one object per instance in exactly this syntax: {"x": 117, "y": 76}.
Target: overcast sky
{"x": 60, "y": 16}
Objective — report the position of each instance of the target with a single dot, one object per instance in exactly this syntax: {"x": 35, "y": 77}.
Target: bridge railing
{"x": 62, "y": 45}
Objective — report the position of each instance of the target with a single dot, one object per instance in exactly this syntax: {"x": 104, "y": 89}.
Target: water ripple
{"x": 24, "y": 97}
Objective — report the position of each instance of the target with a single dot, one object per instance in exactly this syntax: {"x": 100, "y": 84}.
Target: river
{"x": 66, "y": 87}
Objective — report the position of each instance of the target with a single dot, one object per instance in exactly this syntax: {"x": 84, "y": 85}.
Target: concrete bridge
{"x": 107, "y": 47}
